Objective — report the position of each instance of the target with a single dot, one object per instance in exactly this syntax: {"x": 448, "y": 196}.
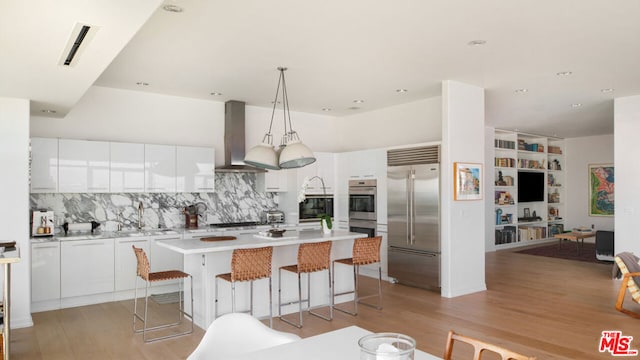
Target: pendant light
{"x": 292, "y": 153}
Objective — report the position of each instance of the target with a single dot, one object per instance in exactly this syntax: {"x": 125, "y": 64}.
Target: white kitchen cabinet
{"x": 126, "y": 263}
{"x": 126, "y": 167}
{"x": 160, "y": 168}
{"x": 323, "y": 167}
{"x": 275, "y": 180}
{"x": 195, "y": 169}
{"x": 366, "y": 164}
{"x": 86, "y": 267}
{"x": 44, "y": 165}
{"x": 83, "y": 166}
{"x": 45, "y": 271}
{"x": 341, "y": 193}
{"x": 326, "y": 169}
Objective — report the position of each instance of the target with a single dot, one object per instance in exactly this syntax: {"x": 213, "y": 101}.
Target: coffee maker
{"x": 42, "y": 223}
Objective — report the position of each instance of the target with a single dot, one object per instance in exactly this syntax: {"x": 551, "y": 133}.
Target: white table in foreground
{"x": 334, "y": 345}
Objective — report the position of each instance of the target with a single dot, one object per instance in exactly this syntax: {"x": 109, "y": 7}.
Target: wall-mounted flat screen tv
{"x": 530, "y": 186}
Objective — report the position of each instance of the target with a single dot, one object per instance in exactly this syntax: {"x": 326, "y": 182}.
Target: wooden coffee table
{"x": 578, "y": 237}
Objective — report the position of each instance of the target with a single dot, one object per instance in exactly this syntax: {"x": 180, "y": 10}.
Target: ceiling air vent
{"x": 412, "y": 156}
{"x": 78, "y": 39}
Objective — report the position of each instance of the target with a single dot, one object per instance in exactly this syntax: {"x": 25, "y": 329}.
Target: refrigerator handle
{"x": 412, "y": 217}
{"x": 409, "y": 204}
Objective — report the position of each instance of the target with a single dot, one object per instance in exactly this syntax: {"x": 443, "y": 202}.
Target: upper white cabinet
{"x": 323, "y": 167}
{"x": 160, "y": 168}
{"x": 276, "y": 180}
{"x": 367, "y": 164}
{"x": 127, "y": 167}
{"x": 83, "y": 166}
{"x": 195, "y": 169}
{"x": 44, "y": 165}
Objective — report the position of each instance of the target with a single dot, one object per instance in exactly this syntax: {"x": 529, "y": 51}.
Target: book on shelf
{"x": 504, "y": 144}
{"x": 532, "y": 232}
{"x": 556, "y": 229}
{"x": 504, "y": 198}
{"x": 505, "y": 235}
{"x": 505, "y": 162}
{"x": 554, "y": 150}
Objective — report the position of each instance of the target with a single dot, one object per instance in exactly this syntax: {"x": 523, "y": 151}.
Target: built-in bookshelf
{"x": 536, "y": 213}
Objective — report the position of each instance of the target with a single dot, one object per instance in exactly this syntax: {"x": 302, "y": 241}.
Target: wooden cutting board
{"x": 218, "y": 238}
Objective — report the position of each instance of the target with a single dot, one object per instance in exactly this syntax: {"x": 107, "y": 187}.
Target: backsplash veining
{"x": 235, "y": 200}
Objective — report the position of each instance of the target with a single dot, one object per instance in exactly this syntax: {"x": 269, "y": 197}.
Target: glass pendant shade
{"x": 262, "y": 156}
{"x": 295, "y": 155}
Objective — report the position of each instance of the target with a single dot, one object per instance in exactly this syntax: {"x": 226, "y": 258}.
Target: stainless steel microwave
{"x": 315, "y": 205}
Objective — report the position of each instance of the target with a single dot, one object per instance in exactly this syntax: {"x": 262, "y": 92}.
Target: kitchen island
{"x": 206, "y": 259}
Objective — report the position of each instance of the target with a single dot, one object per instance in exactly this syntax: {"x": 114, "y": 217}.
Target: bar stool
{"x": 365, "y": 251}
{"x": 312, "y": 257}
{"x": 149, "y": 277}
{"x": 247, "y": 265}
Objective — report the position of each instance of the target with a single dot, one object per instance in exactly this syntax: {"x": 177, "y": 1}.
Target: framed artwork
{"x": 601, "y": 190}
{"x": 467, "y": 179}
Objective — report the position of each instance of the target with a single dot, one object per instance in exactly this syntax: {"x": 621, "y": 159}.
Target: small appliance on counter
{"x": 191, "y": 214}
{"x": 273, "y": 217}
{"x": 42, "y": 223}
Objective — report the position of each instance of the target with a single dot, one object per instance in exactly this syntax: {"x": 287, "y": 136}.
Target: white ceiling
{"x": 338, "y": 51}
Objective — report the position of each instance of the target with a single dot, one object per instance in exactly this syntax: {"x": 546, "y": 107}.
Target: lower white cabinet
{"x": 126, "y": 263}
{"x": 163, "y": 259}
{"x": 45, "y": 271}
{"x": 86, "y": 267}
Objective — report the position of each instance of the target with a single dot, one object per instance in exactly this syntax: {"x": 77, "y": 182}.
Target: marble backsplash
{"x": 235, "y": 200}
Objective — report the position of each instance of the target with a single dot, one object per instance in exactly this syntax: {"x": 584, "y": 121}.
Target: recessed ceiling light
{"x": 173, "y": 8}
{"x": 521, "y": 91}
{"x": 48, "y": 111}
{"x": 607, "y": 90}
{"x": 326, "y": 109}
{"x": 564, "y": 73}
{"x": 401, "y": 91}
{"x": 354, "y": 108}
{"x": 142, "y": 83}
{"x": 358, "y": 101}
{"x": 476, "y": 42}
{"x": 576, "y": 105}
{"x": 215, "y": 93}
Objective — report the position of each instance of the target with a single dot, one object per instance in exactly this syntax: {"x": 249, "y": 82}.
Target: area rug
{"x": 566, "y": 251}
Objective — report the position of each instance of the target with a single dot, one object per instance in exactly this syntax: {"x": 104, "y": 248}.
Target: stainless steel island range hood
{"x": 234, "y": 139}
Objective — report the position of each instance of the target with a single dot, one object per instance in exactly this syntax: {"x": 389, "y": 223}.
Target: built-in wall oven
{"x": 314, "y": 205}
{"x": 362, "y": 199}
{"x": 362, "y": 206}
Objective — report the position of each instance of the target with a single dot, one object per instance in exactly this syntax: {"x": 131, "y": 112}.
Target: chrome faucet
{"x": 140, "y": 215}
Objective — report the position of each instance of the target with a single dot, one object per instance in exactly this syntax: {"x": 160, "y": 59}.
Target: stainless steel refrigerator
{"x": 414, "y": 224}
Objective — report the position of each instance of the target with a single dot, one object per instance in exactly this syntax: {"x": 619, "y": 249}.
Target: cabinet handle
{"x": 175, "y": 238}
{"x": 96, "y": 188}
{"x": 273, "y": 188}
{"x": 46, "y": 247}
{"x": 205, "y": 188}
{"x": 130, "y": 241}
{"x": 133, "y": 188}
{"x": 89, "y": 244}
{"x": 42, "y": 188}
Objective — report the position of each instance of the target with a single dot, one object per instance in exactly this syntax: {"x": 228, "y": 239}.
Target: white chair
{"x": 236, "y": 333}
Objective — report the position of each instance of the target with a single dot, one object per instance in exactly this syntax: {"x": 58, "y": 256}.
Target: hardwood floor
{"x": 543, "y": 307}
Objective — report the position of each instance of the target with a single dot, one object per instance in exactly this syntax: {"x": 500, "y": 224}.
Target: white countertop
{"x": 337, "y": 345}
{"x": 196, "y": 246}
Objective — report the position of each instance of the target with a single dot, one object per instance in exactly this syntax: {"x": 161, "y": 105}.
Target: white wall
{"x": 626, "y": 128}
{"x": 410, "y": 123}
{"x": 578, "y": 154}
{"x": 463, "y": 222}
{"x": 14, "y": 194}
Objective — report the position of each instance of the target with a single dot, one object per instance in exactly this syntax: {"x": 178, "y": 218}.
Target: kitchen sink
{"x": 165, "y": 232}
{"x": 135, "y": 234}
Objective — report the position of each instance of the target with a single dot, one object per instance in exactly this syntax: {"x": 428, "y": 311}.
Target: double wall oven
{"x": 362, "y": 206}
